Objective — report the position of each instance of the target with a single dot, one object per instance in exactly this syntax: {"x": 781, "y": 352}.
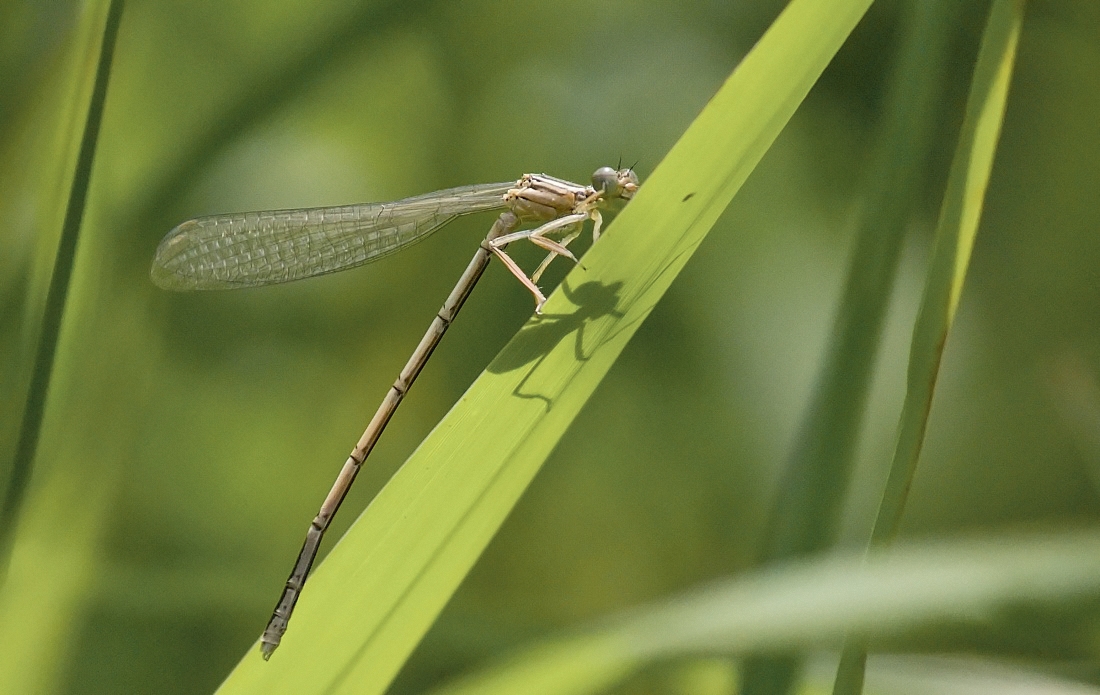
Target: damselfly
{"x": 264, "y": 248}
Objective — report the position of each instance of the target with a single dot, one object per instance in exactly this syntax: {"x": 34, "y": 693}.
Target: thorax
{"x": 538, "y": 197}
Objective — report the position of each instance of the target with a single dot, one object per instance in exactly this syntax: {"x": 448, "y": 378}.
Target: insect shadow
{"x": 535, "y": 341}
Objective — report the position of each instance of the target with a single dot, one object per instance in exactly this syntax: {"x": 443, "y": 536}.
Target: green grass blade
{"x": 27, "y": 443}
{"x": 379, "y": 590}
{"x": 955, "y": 232}
{"x": 48, "y": 563}
{"x": 810, "y": 605}
{"x": 818, "y": 470}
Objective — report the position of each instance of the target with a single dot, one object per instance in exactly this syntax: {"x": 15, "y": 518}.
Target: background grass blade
{"x": 808, "y": 605}
{"x": 41, "y": 585}
{"x": 819, "y": 467}
{"x": 958, "y": 225}
{"x": 816, "y": 476}
{"x": 376, "y": 594}
{"x": 27, "y": 443}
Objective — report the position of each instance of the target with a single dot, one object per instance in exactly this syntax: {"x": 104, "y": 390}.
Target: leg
{"x": 514, "y": 269}
{"x": 557, "y": 250}
{"x": 552, "y": 255}
{"x": 566, "y": 221}
{"x": 538, "y": 238}
{"x": 497, "y": 244}
{"x": 553, "y": 247}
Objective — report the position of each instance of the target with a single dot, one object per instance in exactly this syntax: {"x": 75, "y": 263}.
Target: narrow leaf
{"x": 807, "y": 605}
{"x": 42, "y": 583}
{"x": 58, "y": 291}
{"x": 955, "y": 232}
{"x": 817, "y": 473}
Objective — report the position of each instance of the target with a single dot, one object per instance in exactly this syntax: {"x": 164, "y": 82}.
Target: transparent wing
{"x": 263, "y": 248}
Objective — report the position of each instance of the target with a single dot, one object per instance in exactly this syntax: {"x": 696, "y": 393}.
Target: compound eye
{"x": 606, "y": 179}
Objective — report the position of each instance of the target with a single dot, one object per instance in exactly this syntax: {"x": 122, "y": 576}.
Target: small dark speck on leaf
{"x": 687, "y": 197}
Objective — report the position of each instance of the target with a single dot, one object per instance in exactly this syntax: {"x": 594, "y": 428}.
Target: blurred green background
{"x": 190, "y": 438}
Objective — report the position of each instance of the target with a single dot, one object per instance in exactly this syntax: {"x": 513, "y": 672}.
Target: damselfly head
{"x": 615, "y": 183}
